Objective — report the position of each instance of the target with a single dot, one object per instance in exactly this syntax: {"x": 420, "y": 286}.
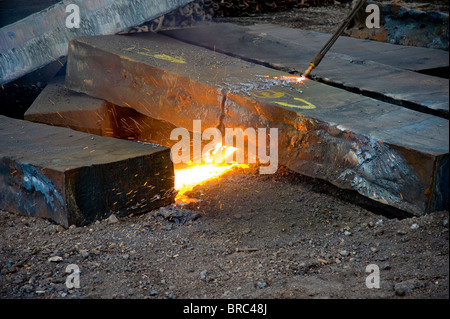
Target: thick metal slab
{"x": 59, "y": 106}
{"x": 76, "y": 178}
{"x": 42, "y": 37}
{"x": 386, "y": 152}
{"x": 377, "y": 69}
{"x": 410, "y": 58}
{"x": 148, "y": 76}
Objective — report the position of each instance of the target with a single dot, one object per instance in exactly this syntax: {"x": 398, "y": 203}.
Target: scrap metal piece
{"x": 75, "y": 178}
{"x": 43, "y": 37}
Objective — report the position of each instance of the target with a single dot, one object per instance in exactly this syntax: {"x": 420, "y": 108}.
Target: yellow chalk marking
{"x": 306, "y": 106}
{"x": 130, "y": 48}
{"x": 271, "y": 94}
{"x": 268, "y": 94}
{"x": 163, "y": 56}
{"x": 169, "y": 58}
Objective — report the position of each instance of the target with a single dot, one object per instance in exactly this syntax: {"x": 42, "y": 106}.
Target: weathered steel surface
{"x": 398, "y": 56}
{"x": 76, "y": 178}
{"x": 58, "y": 106}
{"x": 144, "y": 74}
{"x": 378, "y": 69}
{"x": 41, "y": 38}
{"x": 386, "y": 152}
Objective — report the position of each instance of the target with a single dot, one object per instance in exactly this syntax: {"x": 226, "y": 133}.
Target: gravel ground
{"x": 321, "y": 19}
{"x": 248, "y": 236}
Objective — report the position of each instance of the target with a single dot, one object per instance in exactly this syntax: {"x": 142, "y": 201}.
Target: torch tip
{"x": 308, "y": 70}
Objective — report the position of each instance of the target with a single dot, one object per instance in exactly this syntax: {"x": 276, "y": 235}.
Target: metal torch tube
{"x": 319, "y": 56}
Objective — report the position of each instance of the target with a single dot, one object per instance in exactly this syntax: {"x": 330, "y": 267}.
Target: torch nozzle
{"x": 319, "y": 55}
{"x": 308, "y": 70}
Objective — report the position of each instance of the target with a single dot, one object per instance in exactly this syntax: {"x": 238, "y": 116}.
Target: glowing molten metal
{"x": 286, "y": 80}
{"x": 212, "y": 166}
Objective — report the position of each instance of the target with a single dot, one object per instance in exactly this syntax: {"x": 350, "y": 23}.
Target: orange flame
{"x": 287, "y": 79}
{"x": 199, "y": 173}
{"x": 294, "y": 79}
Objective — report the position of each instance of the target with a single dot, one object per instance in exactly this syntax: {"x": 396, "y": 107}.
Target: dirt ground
{"x": 248, "y": 236}
{"x": 325, "y": 18}
{"x": 322, "y": 19}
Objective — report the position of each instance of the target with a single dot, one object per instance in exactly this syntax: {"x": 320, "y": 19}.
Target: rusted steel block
{"x": 76, "y": 178}
{"x": 386, "y": 152}
{"x": 386, "y": 155}
{"x": 376, "y": 69}
{"x": 58, "y": 106}
{"x": 41, "y": 38}
{"x": 293, "y": 48}
{"x": 143, "y": 72}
